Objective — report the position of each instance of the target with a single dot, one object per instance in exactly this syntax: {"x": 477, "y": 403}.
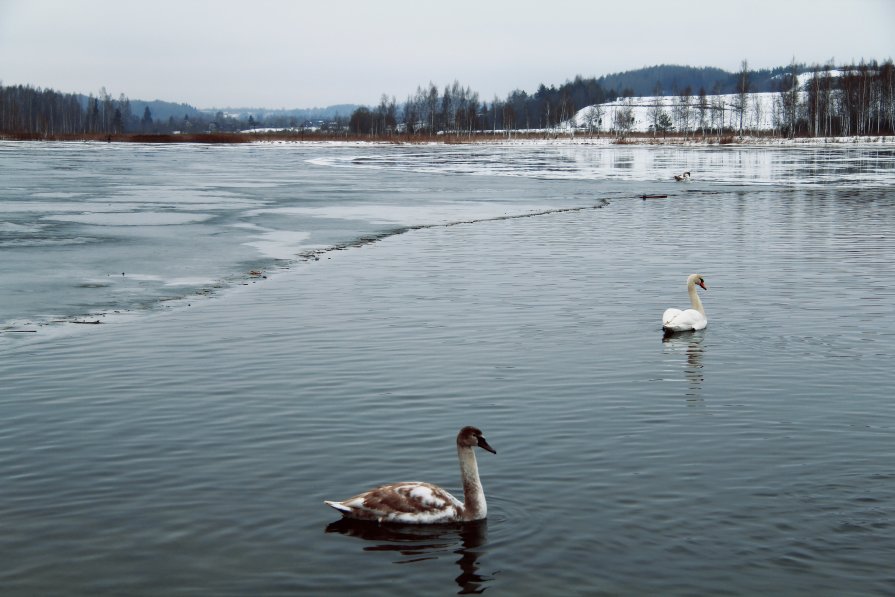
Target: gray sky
{"x": 279, "y": 54}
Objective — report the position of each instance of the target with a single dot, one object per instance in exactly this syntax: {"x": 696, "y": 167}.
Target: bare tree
{"x": 819, "y": 100}
{"x": 788, "y": 101}
{"x": 623, "y": 120}
{"x": 656, "y": 108}
{"x": 432, "y": 106}
{"x": 717, "y": 109}
{"x": 757, "y": 112}
{"x": 127, "y": 117}
{"x": 682, "y": 110}
{"x": 702, "y": 107}
{"x": 742, "y": 95}
{"x": 887, "y": 94}
{"x": 106, "y": 110}
{"x": 593, "y": 118}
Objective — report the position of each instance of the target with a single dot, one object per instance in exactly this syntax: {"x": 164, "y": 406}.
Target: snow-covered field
{"x": 758, "y": 115}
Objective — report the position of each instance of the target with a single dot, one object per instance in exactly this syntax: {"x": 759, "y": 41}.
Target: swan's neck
{"x": 474, "y": 506}
{"x": 694, "y": 299}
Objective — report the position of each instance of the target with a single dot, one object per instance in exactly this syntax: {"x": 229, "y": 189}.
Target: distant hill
{"x": 160, "y": 110}
{"x": 673, "y": 78}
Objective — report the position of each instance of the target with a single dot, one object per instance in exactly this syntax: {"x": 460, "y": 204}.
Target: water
{"x": 187, "y": 449}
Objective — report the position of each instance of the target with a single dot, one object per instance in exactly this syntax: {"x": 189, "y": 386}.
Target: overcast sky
{"x": 278, "y": 54}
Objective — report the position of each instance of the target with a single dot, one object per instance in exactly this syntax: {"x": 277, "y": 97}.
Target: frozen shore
{"x": 564, "y": 139}
{"x": 501, "y": 138}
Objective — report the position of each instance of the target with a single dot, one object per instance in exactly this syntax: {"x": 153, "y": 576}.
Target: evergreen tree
{"x": 146, "y": 121}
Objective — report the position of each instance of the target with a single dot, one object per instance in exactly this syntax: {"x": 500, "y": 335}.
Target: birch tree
{"x": 623, "y": 120}
{"x": 717, "y": 109}
{"x": 702, "y": 108}
{"x": 682, "y": 111}
{"x": 593, "y": 118}
{"x": 432, "y": 106}
{"x": 887, "y": 94}
{"x": 655, "y": 110}
{"x": 742, "y": 96}
{"x": 789, "y": 101}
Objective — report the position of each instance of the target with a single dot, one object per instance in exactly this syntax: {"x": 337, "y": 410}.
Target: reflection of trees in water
{"x": 690, "y": 343}
{"x": 419, "y": 543}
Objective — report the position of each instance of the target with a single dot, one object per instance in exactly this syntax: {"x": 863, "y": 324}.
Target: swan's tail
{"x": 338, "y": 506}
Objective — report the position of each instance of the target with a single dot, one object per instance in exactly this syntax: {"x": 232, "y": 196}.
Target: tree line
{"x": 858, "y": 99}
{"x": 808, "y": 101}
{"x": 46, "y": 113}
{"x": 671, "y": 79}
{"x": 457, "y": 109}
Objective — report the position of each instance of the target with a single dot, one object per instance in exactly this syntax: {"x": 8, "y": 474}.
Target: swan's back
{"x": 413, "y": 502}
{"x": 675, "y": 320}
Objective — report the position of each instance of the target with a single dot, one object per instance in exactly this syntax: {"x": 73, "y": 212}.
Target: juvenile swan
{"x": 675, "y": 320}
{"x": 415, "y": 502}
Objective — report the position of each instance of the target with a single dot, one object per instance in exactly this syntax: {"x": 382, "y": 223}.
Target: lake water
{"x": 284, "y": 324}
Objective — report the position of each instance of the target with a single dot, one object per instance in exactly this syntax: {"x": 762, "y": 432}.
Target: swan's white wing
{"x": 676, "y": 320}
{"x": 669, "y": 316}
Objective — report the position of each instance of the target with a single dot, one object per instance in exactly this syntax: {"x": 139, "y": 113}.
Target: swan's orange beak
{"x": 701, "y": 283}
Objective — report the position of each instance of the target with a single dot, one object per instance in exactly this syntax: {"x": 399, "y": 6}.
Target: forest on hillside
{"x": 856, "y": 99}
{"x": 671, "y": 80}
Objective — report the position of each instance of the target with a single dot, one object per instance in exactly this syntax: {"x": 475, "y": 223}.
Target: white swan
{"x": 415, "y": 502}
{"x": 675, "y": 320}
{"x": 682, "y": 177}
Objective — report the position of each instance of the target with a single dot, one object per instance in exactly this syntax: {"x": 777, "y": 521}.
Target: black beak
{"x": 483, "y": 444}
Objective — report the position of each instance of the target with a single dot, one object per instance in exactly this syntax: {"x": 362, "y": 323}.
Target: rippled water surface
{"x": 185, "y": 446}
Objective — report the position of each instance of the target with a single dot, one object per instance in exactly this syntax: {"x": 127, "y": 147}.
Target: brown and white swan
{"x": 416, "y": 502}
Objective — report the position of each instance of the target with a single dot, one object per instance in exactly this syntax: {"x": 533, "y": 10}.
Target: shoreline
{"x": 519, "y": 138}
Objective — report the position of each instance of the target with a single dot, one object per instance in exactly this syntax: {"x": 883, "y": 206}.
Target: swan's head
{"x": 470, "y": 437}
{"x": 696, "y": 280}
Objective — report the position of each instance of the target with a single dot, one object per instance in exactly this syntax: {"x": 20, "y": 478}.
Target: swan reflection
{"x": 691, "y": 345}
{"x": 418, "y": 543}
